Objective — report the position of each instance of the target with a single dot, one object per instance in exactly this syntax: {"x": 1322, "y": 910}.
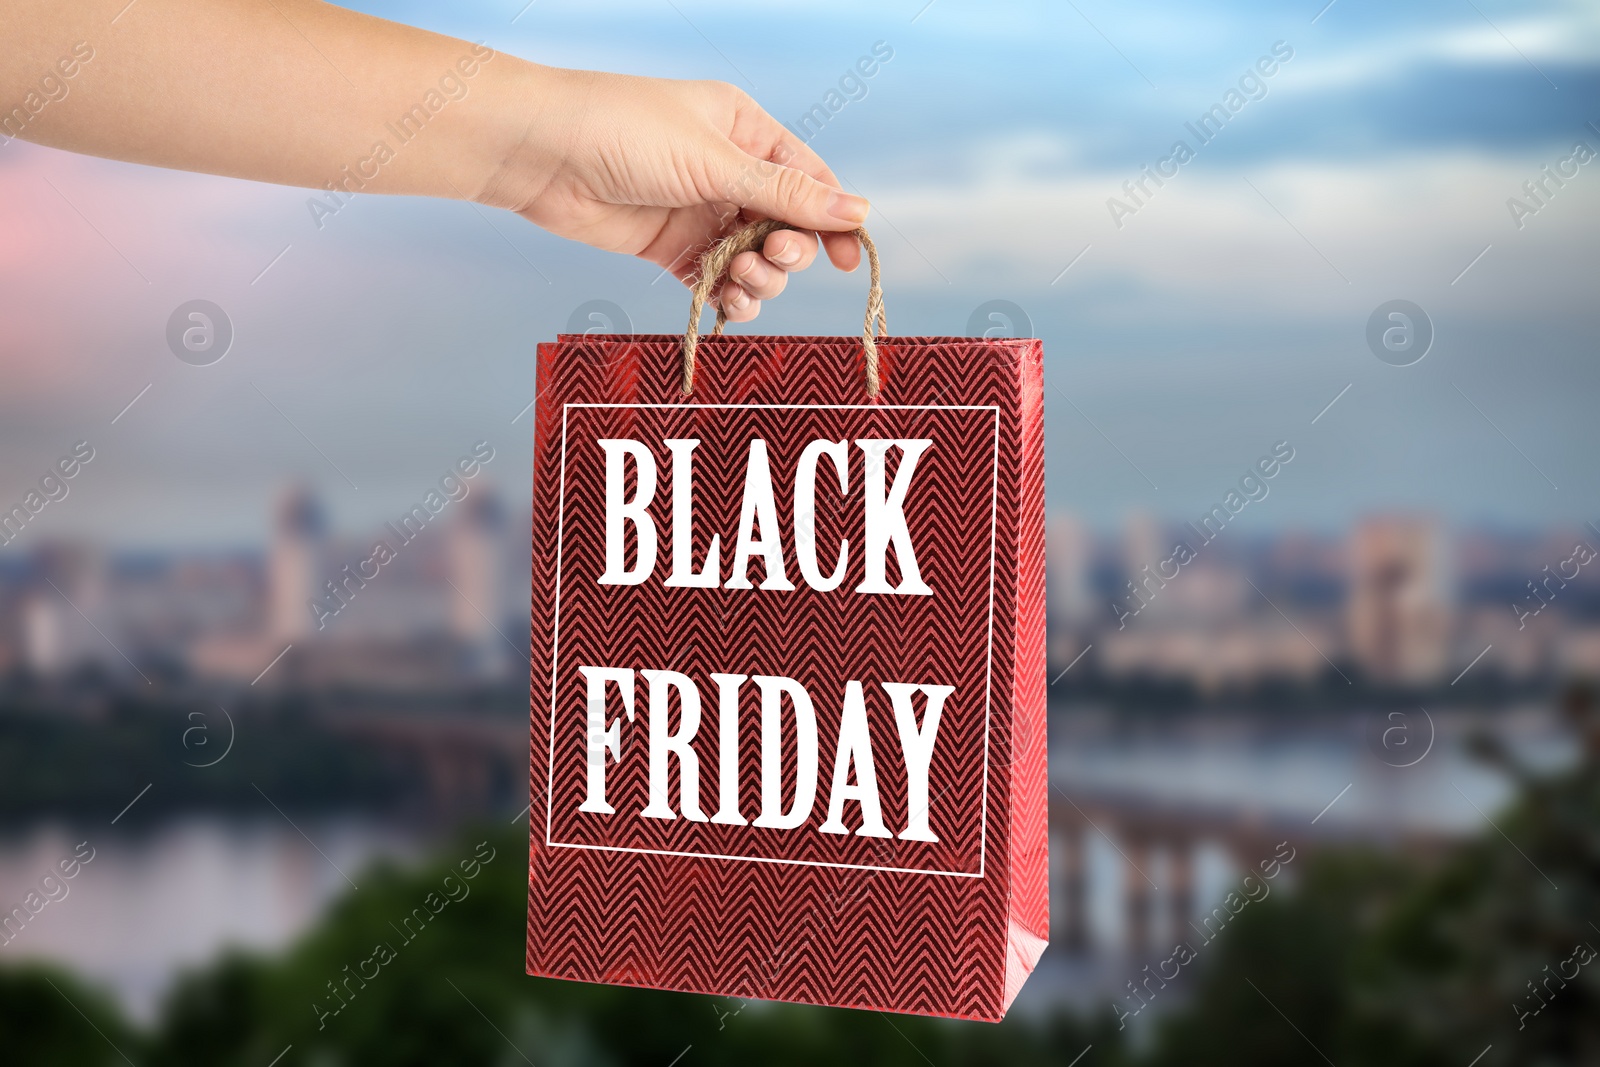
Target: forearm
{"x": 303, "y": 93}
{"x": 295, "y": 92}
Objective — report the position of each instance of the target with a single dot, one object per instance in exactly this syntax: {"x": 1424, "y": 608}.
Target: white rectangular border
{"x": 988, "y": 685}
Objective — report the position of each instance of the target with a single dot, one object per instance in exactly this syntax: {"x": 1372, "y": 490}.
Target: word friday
{"x": 758, "y": 536}
{"x": 854, "y": 750}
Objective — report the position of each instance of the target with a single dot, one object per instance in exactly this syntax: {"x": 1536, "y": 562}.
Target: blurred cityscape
{"x": 1343, "y": 749}
{"x": 1398, "y": 601}
{"x": 1395, "y": 602}
{"x": 1212, "y": 698}
{"x": 433, "y": 607}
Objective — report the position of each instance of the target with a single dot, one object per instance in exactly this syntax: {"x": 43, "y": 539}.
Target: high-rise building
{"x": 65, "y": 620}
{"x": 1399, "y": 606}
{"x": 293, "y": 563}
{"x": 475, "y": 554}
{"x": 1068, "y": 551}
{"x": 1142, "y": 553}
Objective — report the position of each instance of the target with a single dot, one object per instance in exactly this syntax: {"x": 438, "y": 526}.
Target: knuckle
{"x": 725, "y": 92}
{"x": 792, "y": 185}
{"x": 803, "y": 240}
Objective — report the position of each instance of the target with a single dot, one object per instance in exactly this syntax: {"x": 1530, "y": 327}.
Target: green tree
{"x": 1501, "y": 949}
{"x": 46, "y": 1016}
{"x": 455, "y": 993}
{"x": 1487, "y": 956}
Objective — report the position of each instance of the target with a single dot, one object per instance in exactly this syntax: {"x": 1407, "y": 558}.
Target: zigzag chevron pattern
{"x": 797, "y": 915}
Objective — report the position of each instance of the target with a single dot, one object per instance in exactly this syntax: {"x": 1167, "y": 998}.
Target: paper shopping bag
{"x": 788, "y": 689}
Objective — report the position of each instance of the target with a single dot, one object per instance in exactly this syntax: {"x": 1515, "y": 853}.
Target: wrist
{"x": 514, "y": 157}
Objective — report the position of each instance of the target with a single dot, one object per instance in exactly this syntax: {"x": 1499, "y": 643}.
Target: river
{"x": 156, "y": 901}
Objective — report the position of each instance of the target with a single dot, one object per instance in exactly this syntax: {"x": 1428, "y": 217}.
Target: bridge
{"x": 469, "y": 763}
{"x": 1141, "y": 827}
{"x": 467, "y": 760}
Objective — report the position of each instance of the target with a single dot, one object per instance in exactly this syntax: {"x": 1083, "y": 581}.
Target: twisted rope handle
{"x": 713, "y": 271}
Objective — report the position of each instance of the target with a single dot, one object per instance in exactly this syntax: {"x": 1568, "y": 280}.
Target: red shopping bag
{"x": 788, "y": 690}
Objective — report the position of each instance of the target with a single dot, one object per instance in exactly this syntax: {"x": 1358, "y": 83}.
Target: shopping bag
{"x": 788, "y": 686}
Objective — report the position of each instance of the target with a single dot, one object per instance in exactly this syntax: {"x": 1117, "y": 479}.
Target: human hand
{"x": 660, "y": 169}
{"x": 646, "y": 166}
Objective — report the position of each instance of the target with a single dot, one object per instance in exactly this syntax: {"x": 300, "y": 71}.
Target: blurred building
{"x": 1391, "y": 602}
{"x": 1068, "y": 550}
{"x": 317, "y": 608}
{"x": 446, "y": 605}
{"x": 475, "y": 545}
{"x": 1399, "y": 608}
{"x": 294, "y": 562}
{"x": 68, "y": 592}
{"x": 1142, "y": 553}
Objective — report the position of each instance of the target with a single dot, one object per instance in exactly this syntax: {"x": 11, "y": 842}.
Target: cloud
{"x": 405, "y": 328}
{"x": 1547, "y": 40}
{"x": 1207, "y": 235}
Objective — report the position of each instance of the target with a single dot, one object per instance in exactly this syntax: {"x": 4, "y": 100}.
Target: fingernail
{"x": 847, "y": 207}
{"x": 736, "y": 298}
{"x": 787, "y": 256}
{"x": 754, "y": 274}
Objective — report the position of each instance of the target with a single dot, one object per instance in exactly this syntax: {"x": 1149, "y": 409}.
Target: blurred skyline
{"x": 1384, "y": 575}
{"x": 1220, "y": 318}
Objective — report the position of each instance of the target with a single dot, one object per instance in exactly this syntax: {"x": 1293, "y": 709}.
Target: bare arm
{"x": 304, "y": 93}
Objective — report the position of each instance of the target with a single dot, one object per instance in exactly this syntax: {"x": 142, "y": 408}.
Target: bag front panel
{"x": 896, "y": 892}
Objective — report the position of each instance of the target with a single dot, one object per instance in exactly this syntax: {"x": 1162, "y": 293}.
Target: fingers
{"x": 796, "y": 197}
{"x": 763, "y": 274}
{"x": 769, "y": 148}
{"x": 790, "y": 249}
{"x": 738, "y": 304}
{"x": 754, "y": 277}
{"x": 759, "y": 134}
{"x": 768, "y": 173}
{"x": 844, "y": 251}
{"x": 774, "y": 191}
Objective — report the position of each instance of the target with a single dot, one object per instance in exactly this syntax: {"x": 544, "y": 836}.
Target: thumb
{"x": 792, "y": 196}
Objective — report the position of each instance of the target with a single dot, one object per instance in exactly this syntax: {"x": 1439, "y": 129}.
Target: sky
{"x": 1184, "y": 334}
